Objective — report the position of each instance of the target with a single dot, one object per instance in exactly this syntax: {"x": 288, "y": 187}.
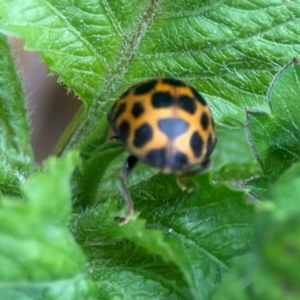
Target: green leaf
{"x": 287, "y": 186}
{"x": 229, "y": 50}
{"x": 39, "y": 258}
{"x": 16, "y": 158}
{"x": 89, "y": 175}
{"x": 96, "y": 139}
{"x": 183, "y": 251}
{"x": 277, "y": 238}
{"x": 275, "y": 137}
{"x": 259, "y": 186}
{"x": 272, "y": 269}
{"x": 55, "y": 177}
{"x": 233, "y": 158}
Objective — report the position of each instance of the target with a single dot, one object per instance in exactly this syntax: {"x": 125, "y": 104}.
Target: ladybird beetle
{"x": 167, "y": 124}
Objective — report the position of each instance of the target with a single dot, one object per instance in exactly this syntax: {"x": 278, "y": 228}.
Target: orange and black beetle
{"x": 167, "y": 124}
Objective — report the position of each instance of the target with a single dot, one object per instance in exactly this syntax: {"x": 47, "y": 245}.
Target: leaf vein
{"x": 74, "y": 31}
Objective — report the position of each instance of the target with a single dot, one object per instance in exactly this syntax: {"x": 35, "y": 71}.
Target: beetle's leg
{"x": 180, "y": 178}
{"x": 127, "y": 168}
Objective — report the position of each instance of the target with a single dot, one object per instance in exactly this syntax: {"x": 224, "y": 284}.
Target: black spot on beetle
{"x": 179, "y": 161}
{"x": 187, "y": 103}
{"x": 145, "y": 87}
{"x": 157, "y": 158}
{"x": 173, "y": 81}
{"x": 196, "y": 144}
{"x": 173, "y": 127}
{"x": 142, "y": 135}
{"x": 162, "y": 100}
{"x": 123, "y": 131}
{"x": 119, "y": 111}
{"x": 204, "y": 120}
{"x": 137, "y": 109}
{"x": 199, "y": 97}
